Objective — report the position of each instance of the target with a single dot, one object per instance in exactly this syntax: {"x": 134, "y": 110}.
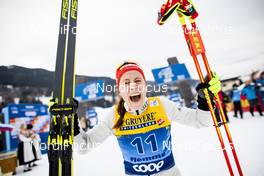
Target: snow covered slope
{"x": 197, "y": 152}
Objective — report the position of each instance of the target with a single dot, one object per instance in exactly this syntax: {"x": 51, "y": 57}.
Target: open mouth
{"x": 135, "y": 98}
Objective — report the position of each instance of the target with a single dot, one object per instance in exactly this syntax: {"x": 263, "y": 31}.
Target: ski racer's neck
{"x": 139, "y": 110}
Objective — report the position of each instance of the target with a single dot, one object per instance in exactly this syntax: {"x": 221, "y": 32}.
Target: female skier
{"x": 142, "y": 125}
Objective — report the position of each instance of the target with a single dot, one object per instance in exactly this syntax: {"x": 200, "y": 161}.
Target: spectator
{"x": 25, "y": 154}
{"x": 260, "y": 86}
{"x": 250, "y": 92}
{"x": 1, "y": 134}
{"x": 35, "y": 144}
{"x": 235, "y": 95}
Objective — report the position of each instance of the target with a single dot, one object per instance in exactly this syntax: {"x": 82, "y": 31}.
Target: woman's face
{"x": 132, "y": 89}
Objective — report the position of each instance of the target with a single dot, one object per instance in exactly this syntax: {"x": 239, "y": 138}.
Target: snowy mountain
{"x": 21, "y": 76}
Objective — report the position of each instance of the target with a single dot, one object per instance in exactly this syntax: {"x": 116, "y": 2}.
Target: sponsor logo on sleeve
{"x": 154, "y": 103}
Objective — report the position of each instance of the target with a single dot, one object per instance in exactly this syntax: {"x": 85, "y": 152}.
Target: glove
{"x": 214, "y": 86}
{"x": 184, "y": 7}
{"x": 52, "y": 103}
{"x": 187, "y": 9}
{"x": 167, "y": 10}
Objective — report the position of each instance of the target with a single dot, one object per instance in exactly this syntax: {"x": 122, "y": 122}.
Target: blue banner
{"x": 23, "y": 114}
{"x": 89, "y": 91}
{"x": 170, "y": 74}
{"x": 27, "y": 110}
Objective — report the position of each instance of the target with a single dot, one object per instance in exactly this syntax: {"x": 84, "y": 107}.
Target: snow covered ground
{"x": 196, "y": 151}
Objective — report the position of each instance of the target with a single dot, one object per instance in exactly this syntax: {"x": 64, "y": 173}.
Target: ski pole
{"x": 196, "y": 47}
{"x": 222, "y": 114}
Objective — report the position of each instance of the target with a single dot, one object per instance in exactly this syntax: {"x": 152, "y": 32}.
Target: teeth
{"x": 134, "y": 95}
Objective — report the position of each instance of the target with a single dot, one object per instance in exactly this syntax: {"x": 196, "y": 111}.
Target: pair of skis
{"x": 196, "y": 47}
{"x": 60, "y": 139}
